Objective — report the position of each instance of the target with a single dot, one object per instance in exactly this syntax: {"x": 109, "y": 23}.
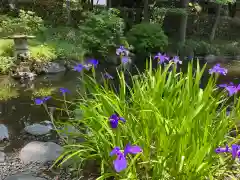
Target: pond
{"x": 19, "y": 111}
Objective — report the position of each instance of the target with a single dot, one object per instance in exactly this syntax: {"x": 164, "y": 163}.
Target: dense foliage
{"x": 147, "y": 37}
{"x": 102, "y": 31}
{"x": 26, "y": 23}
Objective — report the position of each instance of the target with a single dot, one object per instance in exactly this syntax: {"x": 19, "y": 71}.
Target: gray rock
{"x": 53, "y": 68}
{"x": 3, "y": 132}
{"x": 2, "y": 157}
{"x": 40, "y": 152}
{"x": 38, "y": 129}
{"x": 210, "y": 58}
{"x": 22, "y": 176}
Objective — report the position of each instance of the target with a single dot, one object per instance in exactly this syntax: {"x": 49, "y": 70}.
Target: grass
{"x": 7, "y": 92}
{"x": 177, "y": 124}
{"x": 47, "y": 91}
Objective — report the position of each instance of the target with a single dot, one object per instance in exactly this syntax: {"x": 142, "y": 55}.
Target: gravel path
{"x": 12, "y": 164}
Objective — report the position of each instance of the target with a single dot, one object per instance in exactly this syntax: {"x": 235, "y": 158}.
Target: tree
{"x": 146, "y": 11}
{"x": 232, "y": 8}
{"x": 183, "y": 24}
{"x": 219, "y": 4}
{"x": 69, "y": 17}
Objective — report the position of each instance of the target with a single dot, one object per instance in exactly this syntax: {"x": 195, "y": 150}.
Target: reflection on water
{"x": 20, "y": 110}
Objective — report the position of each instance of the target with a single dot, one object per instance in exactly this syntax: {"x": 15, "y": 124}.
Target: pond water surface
{"x": 20, "y": 111}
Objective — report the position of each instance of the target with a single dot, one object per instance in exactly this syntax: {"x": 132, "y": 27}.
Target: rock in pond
{"x": 53, "y": 68}
{"x": 38, "y": 129}
{"x": 2, "y": 157}
{"x": 40, "y": 152}
{"x": 22, "y": 176}
{"x": 24, "y": 75}
{"x": 3, "y": 132}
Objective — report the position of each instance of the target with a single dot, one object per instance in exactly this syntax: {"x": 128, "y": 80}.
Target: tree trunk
{"x": 146, "y": 13}
{"x": 232, "y": 8}
{"x": 183, "y": 24}
{"x": 138, "y": 16}
{"x": 109, "y": 3}
{"x": 69, "y": 17}
{"x": 91, "y": 5}
{"x": 215, "y": 25}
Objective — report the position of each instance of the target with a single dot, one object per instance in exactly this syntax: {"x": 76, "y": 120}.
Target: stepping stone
{"x": 3, "y": 132}
{"x": 2, "y": 157}
{"x": 38, "y": 129}
{"x": 40, "y": 152}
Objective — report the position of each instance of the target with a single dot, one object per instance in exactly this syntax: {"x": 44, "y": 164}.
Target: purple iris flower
{"x": 125, "y": 59}
{"x": 122, "y": 51}
{"x": 231, "y": 88}
{"x": 218, "y": 69}
{"x": 120, "y": 163}
{"x": 222, "y": 149}
{"x": 39, "y": 101}
{"x": 78, "y": 67}
{"x": 107, "y": 76}
{"x": 64, "y": 90}
{"x": 235, "y": 150}
{"x": 161, "y": 58}
{"x": 93, "y": 62}
{"x": 222, "y": 85}
{"x": 176, "y": 60}
{"x": 114, "y": 118}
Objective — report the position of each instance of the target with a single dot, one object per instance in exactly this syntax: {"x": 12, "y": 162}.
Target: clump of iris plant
{"x": 120, "y": 163}
{"x": 162, "y": 58}
{"x": 218, "y": 70}
{"x": 123, "y": 53}
{"x": 235, "y": 150}
{"x": 231, "y": 88}
{"x": 39, "y": 101}
{"x": 114, "y": 120}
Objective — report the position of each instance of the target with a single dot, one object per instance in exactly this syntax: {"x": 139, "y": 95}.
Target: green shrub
{"x": 7, "y": 92}
{"x": 147, "y": 37}
{"x": 71, "y": 51}
{"x": 102, "y": 31}
{"x": 177, "y": 124}
{"x": 232, "y": 49}
{"x": 202, "y": 47}
{"x": 158, "y": 15}
{"x": 42, "y": 53}
{"x": 26, "y": 23}
{"x": 5, "y": 64}
{"x": 6, "y": 47}
{"x": 64, "y": 41}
